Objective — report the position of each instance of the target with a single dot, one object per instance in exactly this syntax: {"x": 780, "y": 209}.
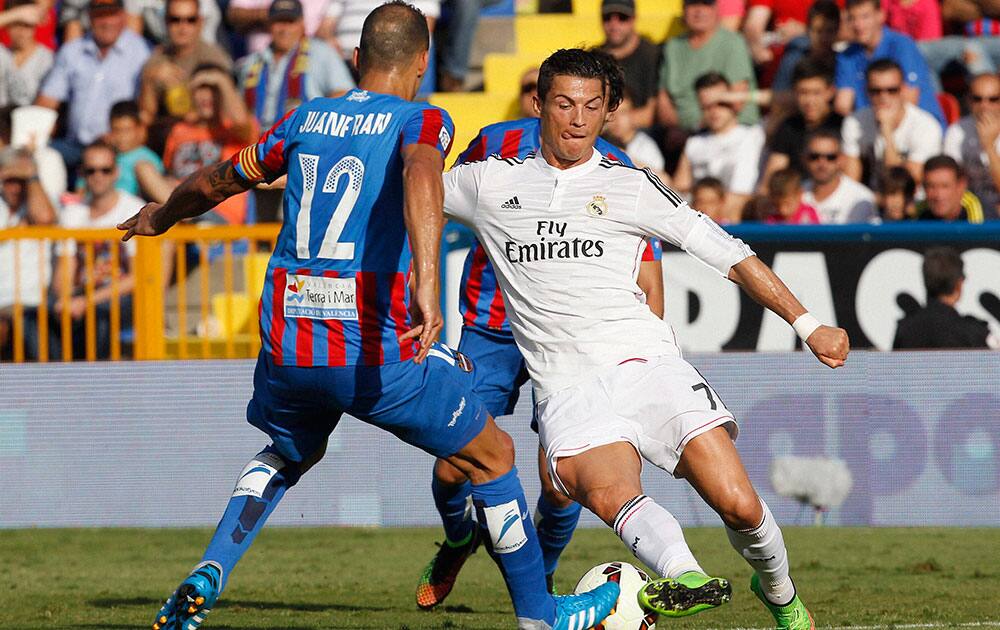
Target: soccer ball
{"x": 627, "y": 614}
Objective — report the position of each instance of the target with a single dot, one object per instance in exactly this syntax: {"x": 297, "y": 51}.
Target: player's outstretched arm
{"x": 830, "y": 344}
{"x": 423, "y": 200}
{"x": 196, "y": 195}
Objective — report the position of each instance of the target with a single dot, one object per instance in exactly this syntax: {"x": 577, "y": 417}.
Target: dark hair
{"x": 125, "y": 109}
{"x": 826, "y": 9}
{"x": 17, "y": 3}
{"x": 585, "y": 64}
{"x": 783, "y": 182}
{"x": 939, "y": 162}
{"x": 850, "y": 4}
{"x": 166, "y": 5}
{"x": 882, "y": 65}
{"x": 812, "y": 68}
{"x": 392, "y": 35}
{"x": 895, "y": 180}
{"x": 943, "y": 269}
{"x": 712, "y": 183}
{"x": 710, "y": 79}
{"x": 5, "y": 123}
{"x": 823, "y": 133}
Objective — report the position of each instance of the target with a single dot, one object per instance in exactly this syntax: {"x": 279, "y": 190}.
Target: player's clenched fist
{"x": 830, "y": 345}
{"x": 142, "y": 223}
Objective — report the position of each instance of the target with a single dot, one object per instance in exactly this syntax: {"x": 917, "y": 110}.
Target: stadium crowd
{"x": 783, "y": 112}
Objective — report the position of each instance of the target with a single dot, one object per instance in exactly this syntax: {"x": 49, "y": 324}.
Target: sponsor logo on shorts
{"x": 506, "y": 528}
{"x": 319, "y": 297}
{"x": 458, "y": 412}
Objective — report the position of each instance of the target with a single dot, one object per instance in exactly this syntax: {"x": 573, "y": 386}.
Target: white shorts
{"x": 657, "y": 405}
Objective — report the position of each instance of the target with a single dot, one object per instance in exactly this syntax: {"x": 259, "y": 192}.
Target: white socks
{"x": 764, "y": 550}
{"x": 655, "y": 537}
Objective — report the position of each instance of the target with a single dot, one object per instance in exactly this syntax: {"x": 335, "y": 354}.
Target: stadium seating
{"x": 473, "y": 110}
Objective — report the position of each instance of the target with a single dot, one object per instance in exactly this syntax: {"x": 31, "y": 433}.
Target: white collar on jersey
{"x": 569, "y": 173}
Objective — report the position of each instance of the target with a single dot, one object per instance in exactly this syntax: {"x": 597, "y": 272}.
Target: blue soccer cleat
{"x": 579, "y": 612}
{"x": 192, "y": 601}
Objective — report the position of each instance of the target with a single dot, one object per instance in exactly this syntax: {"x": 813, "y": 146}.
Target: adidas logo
{"x": 512, "y": 204}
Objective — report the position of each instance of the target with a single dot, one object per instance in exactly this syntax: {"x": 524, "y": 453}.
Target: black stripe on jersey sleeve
{"x": 667, "y": 192}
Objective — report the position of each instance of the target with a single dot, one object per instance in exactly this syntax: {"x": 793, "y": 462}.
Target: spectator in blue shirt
{"x": 873, "y": 40}
{"x": 91, "y": 74}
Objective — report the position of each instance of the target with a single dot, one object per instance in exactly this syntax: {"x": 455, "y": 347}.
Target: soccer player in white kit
{"x": 610, "y": 384}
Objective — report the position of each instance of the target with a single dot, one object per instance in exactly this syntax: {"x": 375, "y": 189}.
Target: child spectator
{"x": 896, "y": 195}
{"x": 784, "y": 191}
{"x": 218, "y": 126}
{"x": 623, "y": 131}
{"x": 139, "y": 169}
{"x": 708, "y": 196}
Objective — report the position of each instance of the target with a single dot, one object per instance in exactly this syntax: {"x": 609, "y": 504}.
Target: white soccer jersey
{"x": 566, "y": 246}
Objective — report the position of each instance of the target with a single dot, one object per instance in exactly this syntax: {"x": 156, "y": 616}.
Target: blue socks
{"x": 452, "y": 504}
{"x": 259, "y": 488}
{"x": 555, "y": 529}
{"x": 510, "y": 538}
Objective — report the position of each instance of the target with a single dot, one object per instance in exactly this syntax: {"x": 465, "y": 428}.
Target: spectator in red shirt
{"x": 788, "y": 19}
{"x": 784, "y": 191}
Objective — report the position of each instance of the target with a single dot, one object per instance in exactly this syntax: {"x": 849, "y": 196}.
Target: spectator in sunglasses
{"x": 974, "y": 142}
{"x": 836, "y": 197}
{"x": 163, "y": 94}
{"x": 529, "y": 89}
{"x": 639, "y": 58}
{"x": 892, "y": 132}
{"x": 726, "y": 149}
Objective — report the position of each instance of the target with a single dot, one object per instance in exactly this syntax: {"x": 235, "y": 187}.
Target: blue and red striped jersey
{"x": 481, "y": 302}
{"x": 336, "y": 291}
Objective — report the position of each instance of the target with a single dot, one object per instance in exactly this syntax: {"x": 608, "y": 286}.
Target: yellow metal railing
{"x": 164, "y": 304}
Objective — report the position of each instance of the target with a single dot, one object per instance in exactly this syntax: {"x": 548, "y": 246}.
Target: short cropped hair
{"x": 810, "y": 68}
{"x": 882, "y": 65}
{"x": 850, "y": 4}
{"x": 99, "y": 145}
{"x": 710, "y": 79}
{"x": 710, "y": 183}
{"x": 821, "y": 134}
{"x": 783, "y": 182}
{"x": 125, "y": 109}
{"x": 585, "y": 64}
{"x": 943, "y": 269}
{"x": 826, "y": 9}
{"x": 392, "y": 35}
{"x": 944, "y": 162}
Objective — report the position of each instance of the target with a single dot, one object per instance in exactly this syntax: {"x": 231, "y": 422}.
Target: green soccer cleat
{"x": 686, "y": 595}
{"x": 441, "y": 572}
{"x": 793, "y": 616}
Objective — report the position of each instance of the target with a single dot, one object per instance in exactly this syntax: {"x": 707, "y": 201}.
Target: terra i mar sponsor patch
{"x": 319, "y": 297}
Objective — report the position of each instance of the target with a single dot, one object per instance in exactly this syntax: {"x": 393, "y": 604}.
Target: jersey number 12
{"x": 331, "y": 247}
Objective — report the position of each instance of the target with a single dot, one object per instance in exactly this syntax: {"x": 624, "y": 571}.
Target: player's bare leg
{"x": 509, "y": 536}
{"x": 712, "y": 465}
{"x": 607, "y": 481}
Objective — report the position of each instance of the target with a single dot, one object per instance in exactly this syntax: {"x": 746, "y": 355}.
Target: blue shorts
{"x": 500, "y": 370}
{"x": 432, "y": 406}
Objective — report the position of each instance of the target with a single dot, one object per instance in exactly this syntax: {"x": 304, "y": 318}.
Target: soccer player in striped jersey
{"x": 339, "y": 332}
{"x": 610, "y": 383}
{"x": 500, "y": 373}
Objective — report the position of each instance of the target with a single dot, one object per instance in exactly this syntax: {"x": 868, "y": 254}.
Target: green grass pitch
{"x": 298, "y": 579}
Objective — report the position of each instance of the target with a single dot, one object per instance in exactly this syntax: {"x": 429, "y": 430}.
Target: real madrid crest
{"x": 597, "y": 207}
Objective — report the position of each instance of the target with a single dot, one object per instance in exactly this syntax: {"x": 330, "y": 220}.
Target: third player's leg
{"x": 556, "y": 517}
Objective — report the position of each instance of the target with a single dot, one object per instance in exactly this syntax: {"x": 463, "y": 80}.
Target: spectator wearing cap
{"x": 639, "y": 58}
{"x": 91, "y": 74}
{"x": 947, "y": 194}
{"x": 974, "y": 142}
{"x": 892, "y": 132}
{"x": 252, "y": 19}
{"x": 836, "y": 197}
{"x": 872, "y": 40}
{"x": 23, "y": 63}
{"x": 705, "y": 47}
{"x": 163, "y": 94}
{"x": 292, "y": 69}
{"x": 939, "y": 324}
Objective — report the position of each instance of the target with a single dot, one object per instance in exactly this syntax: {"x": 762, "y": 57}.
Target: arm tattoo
{"x": 201, "y": 192}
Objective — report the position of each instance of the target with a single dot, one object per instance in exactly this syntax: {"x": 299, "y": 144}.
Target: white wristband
{"x": 805, "y": 325}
